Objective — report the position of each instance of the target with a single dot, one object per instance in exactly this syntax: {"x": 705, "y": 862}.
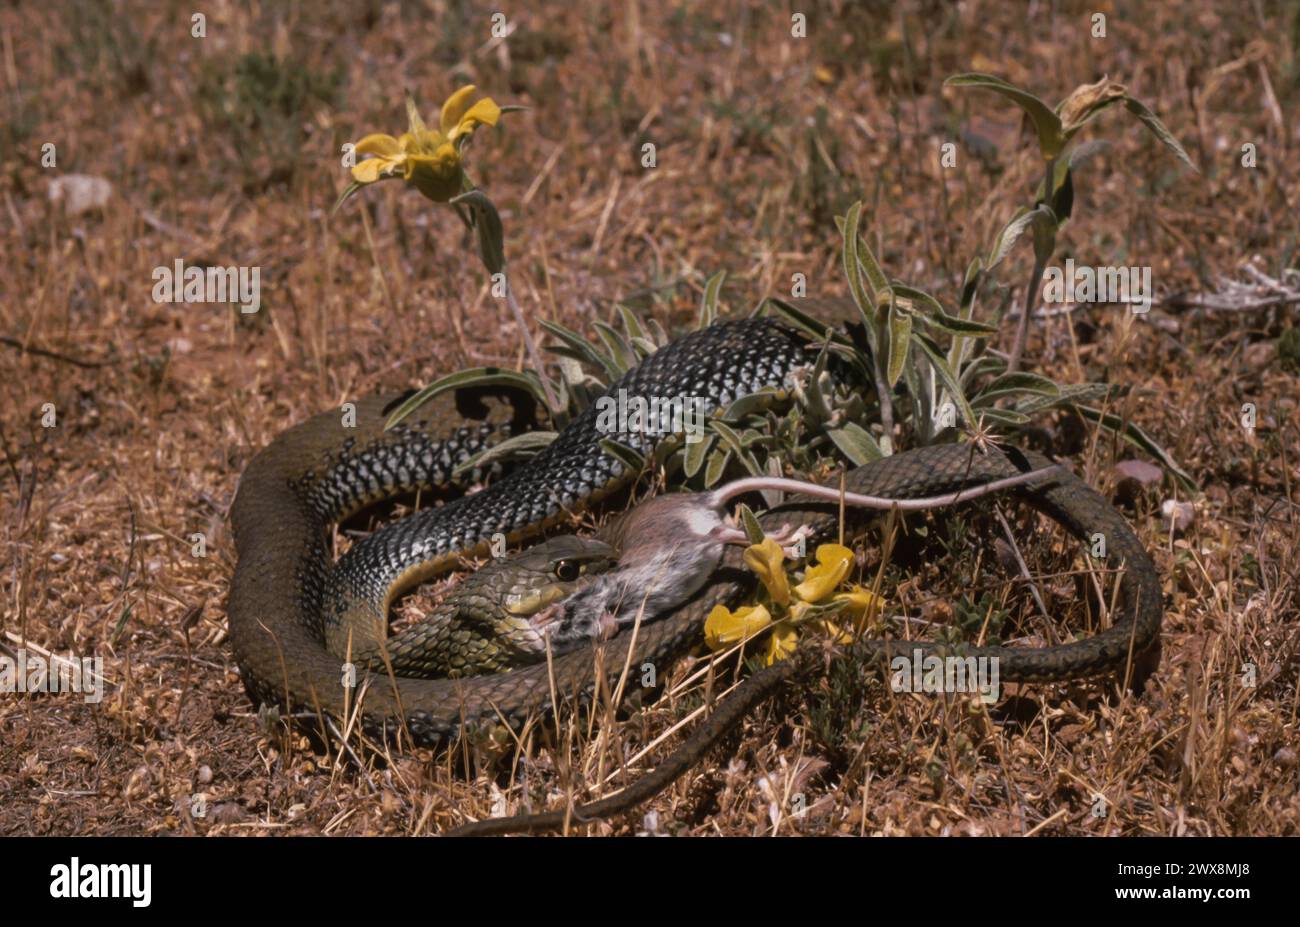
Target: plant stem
{"x": 883, "y": 392}
{"x": 1022, "y": 330}
{"x": 1035, "y": 282}
{"x": 531, "y": 347}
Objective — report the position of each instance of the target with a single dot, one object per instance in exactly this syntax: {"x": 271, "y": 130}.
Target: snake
{"x": 492, "y": 621}
{"x": 292, "y": 610}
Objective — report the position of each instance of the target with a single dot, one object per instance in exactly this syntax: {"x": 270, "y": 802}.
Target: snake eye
{"x": 567, "y": 570}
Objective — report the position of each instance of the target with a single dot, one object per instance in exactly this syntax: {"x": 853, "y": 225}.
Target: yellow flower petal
{"x": 447, "y": 159}
{"x": 833, "y": 562}
{"x": 862, "y": 605}
{"x": 835, "y": 632}
{"x": 416, "y": 124}
{"x": 373, "y": 169}
{"x": 438, "y": 175}
{"x": 767, "y": 562}
{"x": 454, "y": 109}
{"x": 724, "y": 627}
{"x": 383, "y": 145}
{"x": 780, "y": 643}
{"x": 484, "y": 112}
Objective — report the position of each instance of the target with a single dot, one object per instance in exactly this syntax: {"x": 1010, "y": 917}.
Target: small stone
{"x": 1133, "y": 477}
{"x": 1178, "y": 515}
{"x": 1285, "y": 757}
{"x": 1006, "y": 556}
{"x": 80, "y": 193}
{"x": 137, "y": 784}
{"x": 1260, "y": 355}
{"x": 205, "y": 775}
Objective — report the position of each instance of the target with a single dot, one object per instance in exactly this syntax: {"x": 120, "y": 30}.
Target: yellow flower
{"x": 428, "y": 159}
{"x": 861, "y": 606}
{"x": 802, "y": 604}
{"x": 780, "y": 643}
{"x": 833, "y": 562}
{"x": 857, "y": 606}
{"x": 766, "y": 561}
{"x": 724, "y": 627}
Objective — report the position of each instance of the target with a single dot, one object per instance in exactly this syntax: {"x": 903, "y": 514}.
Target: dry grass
{"x": 156, "y": 436}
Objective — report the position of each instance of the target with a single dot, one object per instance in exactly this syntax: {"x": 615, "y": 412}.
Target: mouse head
{"x": 530, "y": 586}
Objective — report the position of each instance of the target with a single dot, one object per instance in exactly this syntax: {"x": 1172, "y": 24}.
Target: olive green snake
{"x": 288, "y": 596}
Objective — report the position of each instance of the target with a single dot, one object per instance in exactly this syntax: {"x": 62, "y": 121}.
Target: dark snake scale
{"x": 288, "y": 600}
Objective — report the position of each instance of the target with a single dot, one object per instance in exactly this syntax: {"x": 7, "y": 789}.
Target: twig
{"x": 55, "y": 355}
{"x": 531, "y": 346}
{"x": 1024, "y": 572}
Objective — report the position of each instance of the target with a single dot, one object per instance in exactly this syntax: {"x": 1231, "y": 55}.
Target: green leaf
{"x": 630, "y": 457}
{"x": 969, "y": 285}
{"x": 346, "y": 195}
{"x": 1152, "y": 122}
{"x": 1004, "y": 416}
{"x": 696, "y": 453}
{"x": 915, "y": 296}
{"x": 1047, "y": 124}
{"x": 955, "y": 325}
{"x": 644, "y": 346}
{"x": 717, "y": 465}
{"x": 1023, "y": 380}
{"x": 632, "y": 325}
{"x": 474, "y": 376}
{"x": 900, "y": 337}
{"x": 811, "y": 324}
{"x": 1014, "y": 384}
{"x": 856, "y": 443}
{"x": 491, "y": 234}
{"x": 1007, "y": 237}
{"x": 1063, "y": 199}
{"x": 1018, "y": 382}
{"x": 749, "y": 403}
{"x": 961, "y": 345}
{"x": 1133, "y": 434}
{"x": 581, "y": 349}
{"x": 871, "y": 267}
{"x": 622, "y": 352}
{"x": 736, "y": 446}
{"x": 753, "y": 530}
{"x": 1069, "y": 396}
{"x": 1062, "y": 175}
{"x": 945, "y": 375}
{"x": 709, "y": 302}
{"x": 657, "y": 333}
{"x": 1045, "y": 224}
{"x": 528, "y": 444}
{"x": 985, "y": 363}
{"x": 849, "y": 258}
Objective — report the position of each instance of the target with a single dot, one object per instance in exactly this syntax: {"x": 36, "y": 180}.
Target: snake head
{"x": 541, "y": 579}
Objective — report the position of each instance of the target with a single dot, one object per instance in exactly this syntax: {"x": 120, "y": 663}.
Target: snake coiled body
{"x": 287, "y": 598}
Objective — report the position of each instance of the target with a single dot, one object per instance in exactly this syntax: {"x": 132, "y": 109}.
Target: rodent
{"x": 669, "y": 546}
